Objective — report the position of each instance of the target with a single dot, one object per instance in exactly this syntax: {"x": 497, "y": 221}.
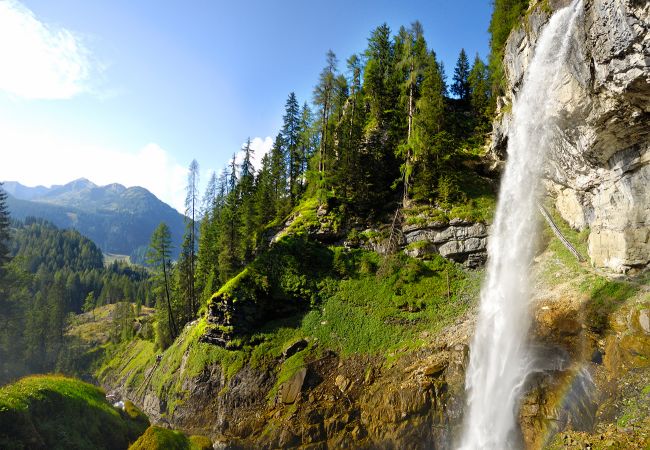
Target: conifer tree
{"x": 229, "y": 237}
{"x": 460, "y": 86}
{"x": 307, "y": 143}
{"x": 158, "y": 256}
{"x": 247, "y": 212}
{"x": 412, "y": 61}
{"x": 430, "y": 140}
{"x": 478, "y": 80}
{"x": 4, "y": 230}
{"x": 323, "y": 99}
{"x": 291, "y": 138}
{"x": 191, "y": 204}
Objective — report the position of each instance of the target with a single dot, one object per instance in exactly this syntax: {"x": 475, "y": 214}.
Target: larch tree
{"x": 191, "y": 205}
{"x": 158, "y": 256}
{"x": 412, "y": 62}
{"x": 323, "y": 99}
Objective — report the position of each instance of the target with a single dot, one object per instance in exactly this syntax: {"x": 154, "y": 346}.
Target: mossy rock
{"x": 56, "y": 412}
{"x": 157, "y": 438}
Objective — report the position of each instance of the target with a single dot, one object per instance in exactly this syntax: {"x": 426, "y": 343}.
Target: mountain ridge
{"x": 119, "y": 219}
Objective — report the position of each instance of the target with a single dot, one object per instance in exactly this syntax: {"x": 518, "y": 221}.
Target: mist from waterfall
{"x": 499, "y": 358}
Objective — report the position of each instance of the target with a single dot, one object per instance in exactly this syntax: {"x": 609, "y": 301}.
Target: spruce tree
{"x": 412, "y": 62}
{"x": 291, "y": 137}
{"x": 4, "y": 230}
{"x": 460, "y": 87}
{"x": 478, "y": 80}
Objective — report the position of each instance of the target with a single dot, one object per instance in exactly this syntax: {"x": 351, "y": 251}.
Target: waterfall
{"x": 499, "y": 358}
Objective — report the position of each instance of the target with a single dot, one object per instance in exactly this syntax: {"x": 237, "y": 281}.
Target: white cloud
{"x": 39, "y": 158}
{"x": 40, "y": 61}
{"x": 260, "y": 147}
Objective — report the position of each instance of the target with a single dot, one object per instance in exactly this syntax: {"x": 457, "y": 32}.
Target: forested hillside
{"x": 118, "y": 219}
{"x": 388, "y": 128}
{"x": 54, "y": 273}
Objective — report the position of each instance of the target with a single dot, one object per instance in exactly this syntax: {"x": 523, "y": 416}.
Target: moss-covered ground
{"x": 56, "y": 412}
{"x": 157, "y": 438}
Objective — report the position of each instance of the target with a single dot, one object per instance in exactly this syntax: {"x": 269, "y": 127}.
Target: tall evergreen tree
{"x": 4, "y": 230}
{"x": 247, "y": 211}
{"x": 430, "y": 140}
{"x": 412, "y": 61}
{"x": 478, "y": 80}
{"x": 308, "y": 142}
{"x": 158, "y": 256}
{"x": 191, "y": 204}
{"x": 323, "y": 99}
{"x": 460, "y": 86}
{"x": 291, "y": 137}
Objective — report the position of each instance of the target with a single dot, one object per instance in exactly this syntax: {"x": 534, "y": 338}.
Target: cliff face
{"x": 599, "y": 169}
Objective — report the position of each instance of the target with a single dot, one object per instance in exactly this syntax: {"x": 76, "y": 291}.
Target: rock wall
{"x": 461, "y": 241}
{"x": 599, "y": 168}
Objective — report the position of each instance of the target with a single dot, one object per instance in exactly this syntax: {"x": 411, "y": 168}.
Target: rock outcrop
{"x": 460, "y": 241}
{"x": 599, "y": 170}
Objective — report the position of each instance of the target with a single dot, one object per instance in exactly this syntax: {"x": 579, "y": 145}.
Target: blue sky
{"x": 132, "y": 91}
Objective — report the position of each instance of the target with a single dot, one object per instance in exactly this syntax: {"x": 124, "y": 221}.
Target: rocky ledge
{"x": 461, "y": 241}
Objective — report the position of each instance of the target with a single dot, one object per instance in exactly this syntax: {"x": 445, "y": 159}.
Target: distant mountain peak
{"x": 80, "y": 183}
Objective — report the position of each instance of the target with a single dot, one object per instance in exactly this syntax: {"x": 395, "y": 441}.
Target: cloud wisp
{"x": 47, "y": 159}
{"x": 41, "y": 61}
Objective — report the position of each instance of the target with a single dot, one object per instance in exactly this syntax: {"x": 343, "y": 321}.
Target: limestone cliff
{"x": 599, "y": 170}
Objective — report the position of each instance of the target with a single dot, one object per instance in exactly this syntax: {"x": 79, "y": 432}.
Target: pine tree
{"x": 291, "y": 138}
{"x": 323, "y": 99}
{"x": 478, "y": 80}
{"x": 460, "y": 87}
{"x": 247, "y": 212}
{"x": 4, "y": 231}
{"x": 191, "y": 204}
{"x": 158, "y": 256}
{"x": 412, "y": 61}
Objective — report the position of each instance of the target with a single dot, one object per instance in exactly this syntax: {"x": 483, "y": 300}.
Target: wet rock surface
{"x": 600, "y": 166}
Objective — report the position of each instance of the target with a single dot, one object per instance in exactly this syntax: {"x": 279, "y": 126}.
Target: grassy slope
{"x": 55, "y": 412}
{"x": 367, "y": 305}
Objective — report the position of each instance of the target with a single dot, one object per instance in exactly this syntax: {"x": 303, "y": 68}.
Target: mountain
{"x": 119, "y": 219}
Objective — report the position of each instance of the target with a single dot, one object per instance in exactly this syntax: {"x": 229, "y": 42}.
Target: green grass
{"x": 56, "y": 412}
{"x": 476, "y": 203}
{"x": 157, "y": 438}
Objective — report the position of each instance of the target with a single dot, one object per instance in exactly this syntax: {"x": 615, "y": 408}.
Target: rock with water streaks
{"x": 599, "y": 168}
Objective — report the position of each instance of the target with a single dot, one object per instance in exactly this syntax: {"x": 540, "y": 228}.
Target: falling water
{"x": 499, "y": 360}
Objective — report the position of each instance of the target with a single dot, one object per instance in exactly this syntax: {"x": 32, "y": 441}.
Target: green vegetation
{"x": 54, "y": 273}
{"x": 365, "y": 304}
{"x": 157, "y": 438}
{"x": 56, "y": 412}
{"x": 506, "y": 16}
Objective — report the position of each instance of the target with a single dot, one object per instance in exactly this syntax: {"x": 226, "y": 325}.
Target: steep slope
{"x": 119, "y": 219}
